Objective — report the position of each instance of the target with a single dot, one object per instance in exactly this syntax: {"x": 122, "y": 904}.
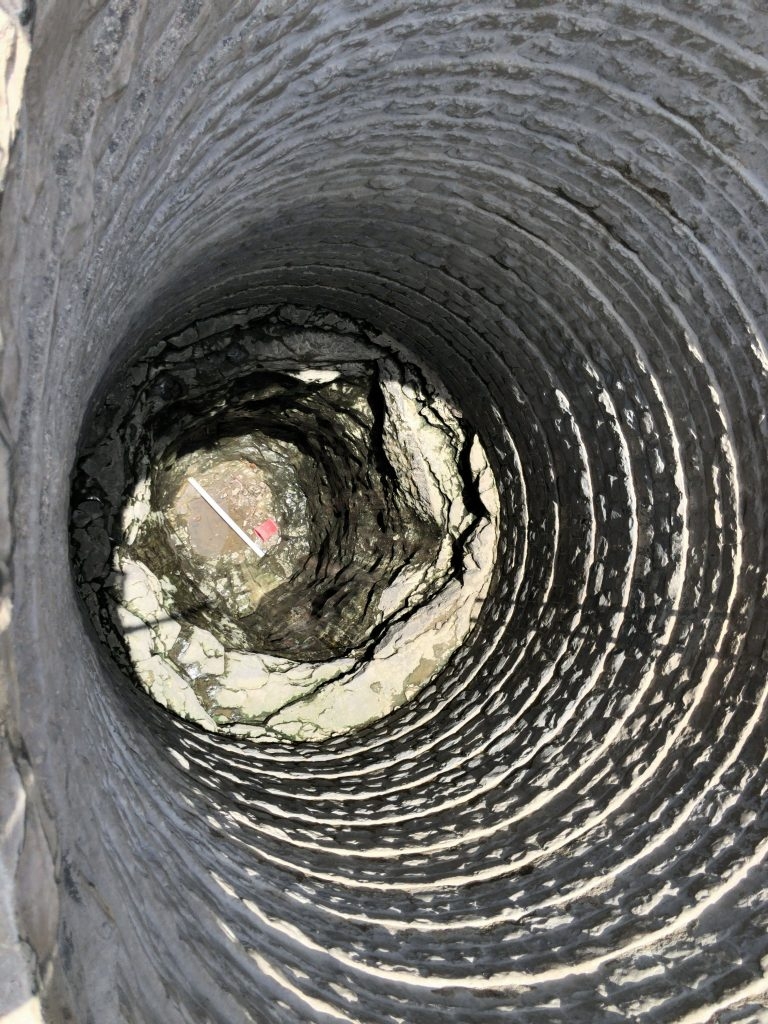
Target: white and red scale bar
{"x": 227, "y": 519}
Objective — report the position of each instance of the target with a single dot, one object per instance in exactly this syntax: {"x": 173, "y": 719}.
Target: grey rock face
{"x": 562, "y": 208}
{"x": 384, "y": 552}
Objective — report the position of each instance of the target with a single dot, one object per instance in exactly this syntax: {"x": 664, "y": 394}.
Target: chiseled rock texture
{"x": 563, "y": 207}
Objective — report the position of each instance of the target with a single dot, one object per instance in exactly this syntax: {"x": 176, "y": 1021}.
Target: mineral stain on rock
{"x": 387, "y": 513}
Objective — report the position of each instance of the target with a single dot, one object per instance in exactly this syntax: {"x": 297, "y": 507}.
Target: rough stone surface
{"x": 564, "y": 208}
{"x": 377, "y": 573}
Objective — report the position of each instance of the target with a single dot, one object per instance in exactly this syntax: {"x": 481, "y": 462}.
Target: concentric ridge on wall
{"x": 562, "y": 209}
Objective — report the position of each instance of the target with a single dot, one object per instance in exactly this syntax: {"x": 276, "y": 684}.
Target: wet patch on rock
{"x": 370, "y": 498}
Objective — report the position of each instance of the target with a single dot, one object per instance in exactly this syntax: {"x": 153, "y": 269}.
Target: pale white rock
{"x": 157, "y": 675}
{"x": 14, "y": 57}
{"x": 407, "y": 587}
{"x": 484, "y": 478}
{"x": 166, "y": 633}
{"x": 420, "y": 448}
{"x": 260, "y": 684}
{"x": 141, "y": 590}
{"x": 137, "y": 635}
{"x": 171, "y": 690}
{"x": 148, "y": 623}
{"x": 316, "y": 376}
{"x": 136, "y": 510}
{"x": 203, "y": 650}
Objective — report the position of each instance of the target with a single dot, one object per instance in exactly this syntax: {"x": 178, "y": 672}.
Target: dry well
{"x": 561, "y": 210}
